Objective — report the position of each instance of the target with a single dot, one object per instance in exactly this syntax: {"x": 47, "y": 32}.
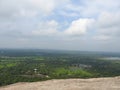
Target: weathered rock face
{"x": 69, "y": 84}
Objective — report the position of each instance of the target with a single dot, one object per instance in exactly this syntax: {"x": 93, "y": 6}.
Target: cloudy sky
{"x": 90, "y": 25}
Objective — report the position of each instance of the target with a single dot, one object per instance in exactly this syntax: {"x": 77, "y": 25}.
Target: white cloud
{"x": 108, "y": 25}
{"x": 88, "y": 21}
{"x": 102, "y": 37}
{"x": 79, "y": 27}
{"x": 48, "y": 28}
{"x": 51, "y": 28}
{"x": 15, "y": 8}
{"x": 46, "y": 6}
{"x": 93, "y": 8}
{"x": 18, "y": 8}
{"x": 108, "y": 19}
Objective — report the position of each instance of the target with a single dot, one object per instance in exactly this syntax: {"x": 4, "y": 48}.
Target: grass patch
{"x": 62, "y": 72}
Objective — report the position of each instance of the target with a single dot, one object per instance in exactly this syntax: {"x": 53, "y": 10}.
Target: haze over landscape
{"x": 86, "y": 25}
{"x": 59, "y": 44}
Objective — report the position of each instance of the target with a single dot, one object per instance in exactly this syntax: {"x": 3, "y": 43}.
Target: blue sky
{"x": 90, "y": 25}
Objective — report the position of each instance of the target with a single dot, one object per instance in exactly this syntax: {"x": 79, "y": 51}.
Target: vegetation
{"x": 37, "y": 65}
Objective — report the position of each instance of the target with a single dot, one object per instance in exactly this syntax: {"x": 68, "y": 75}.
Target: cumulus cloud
{"x": 14, "y": 8}
{"x": 108, "y": 19}
{"x": 76, "y": 28}
{"x": 79, "y": 27}
{"x": 46, "y": 28}
{"x": 92, "y": 20}
{"x": 108, "y": 25}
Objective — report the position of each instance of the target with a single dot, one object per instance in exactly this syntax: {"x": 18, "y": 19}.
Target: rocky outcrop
{"x": 69, "y": 84}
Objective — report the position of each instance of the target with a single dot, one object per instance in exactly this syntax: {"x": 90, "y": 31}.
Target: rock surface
{"x": 69, "y": 84}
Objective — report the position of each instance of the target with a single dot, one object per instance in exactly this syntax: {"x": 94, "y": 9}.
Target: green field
{"x": 19, "y": 66}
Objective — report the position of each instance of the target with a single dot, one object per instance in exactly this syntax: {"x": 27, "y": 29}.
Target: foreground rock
{"x": 69, "y": 84}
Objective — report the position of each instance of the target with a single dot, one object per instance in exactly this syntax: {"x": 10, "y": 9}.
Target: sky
{"x": 85, "y": 25}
